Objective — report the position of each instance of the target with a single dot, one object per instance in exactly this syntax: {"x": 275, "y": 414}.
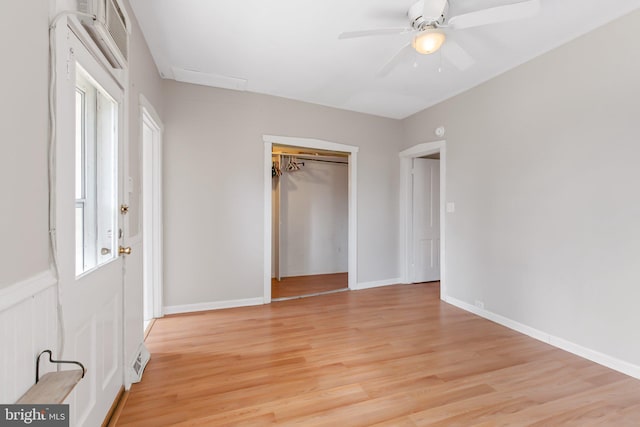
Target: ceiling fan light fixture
{"x": 428, "y": 41}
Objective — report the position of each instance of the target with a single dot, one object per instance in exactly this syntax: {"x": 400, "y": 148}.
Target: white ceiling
{"x": 290, "y": 48}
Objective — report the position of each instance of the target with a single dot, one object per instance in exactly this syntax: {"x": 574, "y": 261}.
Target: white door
{"x": 152, "y": 215}
{"x": 426, "y": 220}
{"x": 89, "y": 226}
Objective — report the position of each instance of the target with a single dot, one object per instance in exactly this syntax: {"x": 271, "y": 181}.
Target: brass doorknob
{"x": 124, "y": 251}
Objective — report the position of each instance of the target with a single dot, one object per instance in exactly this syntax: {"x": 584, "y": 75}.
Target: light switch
{"x": 451, "y": 207}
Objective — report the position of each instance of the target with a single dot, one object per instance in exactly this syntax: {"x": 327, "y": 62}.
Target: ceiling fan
{"x": 430, "y": 21}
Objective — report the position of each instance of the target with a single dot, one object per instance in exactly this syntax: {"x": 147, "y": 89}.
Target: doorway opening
{"x": 310, "y": 208}
{"x": 151, "y": 137}
{"x": 318, "y": 157}
{"x": 422, "y": 213}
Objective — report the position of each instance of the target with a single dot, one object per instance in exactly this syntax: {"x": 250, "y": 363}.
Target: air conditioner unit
{"x": 108, "y": 29}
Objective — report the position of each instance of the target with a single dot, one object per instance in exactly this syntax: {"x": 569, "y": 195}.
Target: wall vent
{"x": 139, "y": 363}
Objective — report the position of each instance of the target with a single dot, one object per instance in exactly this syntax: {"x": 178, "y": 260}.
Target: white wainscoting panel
{"x": 28, "y": 325}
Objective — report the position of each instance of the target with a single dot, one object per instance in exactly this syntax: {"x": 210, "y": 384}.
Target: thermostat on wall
{"x": 439, "y": 131}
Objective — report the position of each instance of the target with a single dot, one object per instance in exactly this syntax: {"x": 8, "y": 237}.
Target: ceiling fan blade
{"x": 433, "y": 9}
{"x": 455, "y": 54}
{"x": 395, "y": 60}
{"x": 378, "y": 32}
{"x": 493, "y": 15}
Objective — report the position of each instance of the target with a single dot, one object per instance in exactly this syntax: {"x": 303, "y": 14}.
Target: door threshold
{"x": 309, "y": 295}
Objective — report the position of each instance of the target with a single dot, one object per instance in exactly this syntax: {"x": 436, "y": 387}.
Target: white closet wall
{"x": 314, "y": 219}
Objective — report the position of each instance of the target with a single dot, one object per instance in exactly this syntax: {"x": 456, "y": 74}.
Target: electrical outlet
{"x": 480, "y": 304}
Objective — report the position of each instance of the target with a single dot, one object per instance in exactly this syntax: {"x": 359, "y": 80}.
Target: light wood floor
{"x": 308, "y": 285}
{"x": 392, "y": 356}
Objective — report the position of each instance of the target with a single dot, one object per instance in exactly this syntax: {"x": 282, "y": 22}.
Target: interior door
{"x": 89, "y": 225}
{"x": 147, "y": 222}
{"x": 151, "y": 132}
{"x": 426, "y": 220}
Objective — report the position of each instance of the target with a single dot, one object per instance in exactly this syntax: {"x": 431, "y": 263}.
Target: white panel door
{"x": 89, "y": 226}
{"x": 426, "y": 220}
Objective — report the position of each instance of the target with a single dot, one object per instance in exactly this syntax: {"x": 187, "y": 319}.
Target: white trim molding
{"x": 214, "y": 305}
{"x": 144, "y": 103}
{"x": 20, "y": 291}
{"x": 152, "y": 156}
{"x": 584, "y": 352}
{"x": 318, "y": 144}
{"x": 406, "y": 164}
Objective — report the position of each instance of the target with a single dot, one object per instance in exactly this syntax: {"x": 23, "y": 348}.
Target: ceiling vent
{"x": 108, "y": 29}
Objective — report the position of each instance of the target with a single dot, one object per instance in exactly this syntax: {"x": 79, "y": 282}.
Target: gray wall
{"x": 542, "y": 164}
{"x": 144, "y": 80}
{"x": 213, "y": 185}
{"x": 24, "y": 45}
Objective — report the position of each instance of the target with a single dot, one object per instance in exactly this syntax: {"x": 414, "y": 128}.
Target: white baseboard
{"x": 584, "y": 352}
{"x": 376, "y": 284}
{"x": 214, "y": 305}
{"x": 20, "y": 291}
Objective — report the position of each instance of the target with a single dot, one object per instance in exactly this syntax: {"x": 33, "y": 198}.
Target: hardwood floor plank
{"x": 391, "y": 356}
{"x": 403, "y": 421}
{"x": 626, "y": 417}
{"x": 360, "y": 414}
{"x": 470, "y": 412}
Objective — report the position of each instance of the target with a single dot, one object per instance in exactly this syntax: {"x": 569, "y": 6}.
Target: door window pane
{"x": 96, "y": 186}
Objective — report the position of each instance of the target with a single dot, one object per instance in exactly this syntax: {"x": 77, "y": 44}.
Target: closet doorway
{"x": 310, "y": 218}
{"x": 312, "y": 145}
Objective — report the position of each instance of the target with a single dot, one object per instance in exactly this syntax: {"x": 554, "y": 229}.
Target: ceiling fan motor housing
{"x": 419, "y": 22}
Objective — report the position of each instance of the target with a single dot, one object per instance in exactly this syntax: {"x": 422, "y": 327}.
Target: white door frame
{"x": 406, "y": 207}
{"x": 149, "y": 116}
{"x": 317, "y": 144}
